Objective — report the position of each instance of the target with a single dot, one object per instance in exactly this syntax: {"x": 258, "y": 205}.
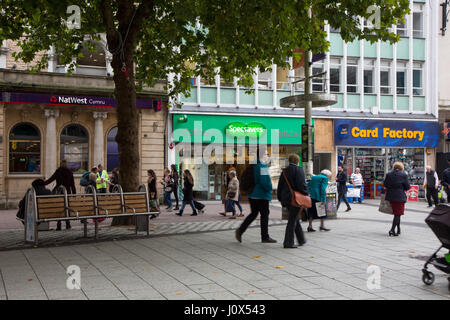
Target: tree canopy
{"x": 183, "y": 39}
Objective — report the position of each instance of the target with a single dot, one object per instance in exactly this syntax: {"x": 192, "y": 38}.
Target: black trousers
{"x": 432, "y": 193}
{"x": 293, "y": 227}
{"x": 260, "y": 206}
{"x": 341, "y": 196}
{"x": 175, "y": 192}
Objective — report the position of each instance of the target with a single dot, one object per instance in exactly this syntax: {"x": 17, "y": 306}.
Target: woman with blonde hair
{"x": 188, "y": 193}
{"x": 317, "y": 188}
{"x": 396, "y": 183}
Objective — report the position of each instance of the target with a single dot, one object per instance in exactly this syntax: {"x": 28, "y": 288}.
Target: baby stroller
{"x": 439, "y": 223}
{"x": 199, "y": 206}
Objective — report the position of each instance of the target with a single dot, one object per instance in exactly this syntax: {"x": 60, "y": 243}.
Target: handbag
{"x": 321, "y": 210}
{"x": 231, "y": 194}
{"x": 297, "y": 199}
{"x": 385, "y": 206}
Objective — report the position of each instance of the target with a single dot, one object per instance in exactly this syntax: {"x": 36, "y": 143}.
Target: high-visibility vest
{"x": 104, "y": 176}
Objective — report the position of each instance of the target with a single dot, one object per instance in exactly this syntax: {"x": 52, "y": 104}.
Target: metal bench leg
{"x": 148, "y": 225}
{"x": 85, "y": 228}
{"x": 96, "y": 229}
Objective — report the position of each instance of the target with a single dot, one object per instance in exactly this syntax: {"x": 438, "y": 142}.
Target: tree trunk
{"x": 128, "y": 130}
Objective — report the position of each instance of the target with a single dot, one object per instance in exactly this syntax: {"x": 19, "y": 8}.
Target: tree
{"x": 181, "y": 39}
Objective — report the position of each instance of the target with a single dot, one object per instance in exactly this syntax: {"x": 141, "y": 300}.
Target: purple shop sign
{"x": 71, "y": 100}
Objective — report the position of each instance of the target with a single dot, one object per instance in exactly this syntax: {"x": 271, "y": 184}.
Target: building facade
{"x": 49, "y": 116}
{"x": 376, "y": 84}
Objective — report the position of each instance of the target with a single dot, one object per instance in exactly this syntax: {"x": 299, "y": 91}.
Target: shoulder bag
{"x": 298, "y": 199}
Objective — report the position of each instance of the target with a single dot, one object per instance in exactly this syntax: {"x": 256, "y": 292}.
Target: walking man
{"x": 357, "y": 181}
{"x": 431, "y": 185}
{"x": 341, "y": 180}
{"x": 259, "y": 200}
{"x": 296, "y": 178}
{"x": 102, "y": 179}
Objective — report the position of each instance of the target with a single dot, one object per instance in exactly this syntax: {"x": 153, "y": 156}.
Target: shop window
{"x": 335, "y": 75}
{"x": 24, "y": 149}
{"x": 352, "y": 76}
{"x": 74, "y": 147}
{"x": 112, "y": 150}
{"x": 417, "y": 79}
{"x": 369, "y": 66}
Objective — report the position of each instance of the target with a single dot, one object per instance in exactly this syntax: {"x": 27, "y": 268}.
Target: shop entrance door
{"x": 373, "y": 171}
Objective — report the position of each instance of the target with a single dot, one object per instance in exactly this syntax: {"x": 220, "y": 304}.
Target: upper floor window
{"x": 385, "y": 77}
{"x": 418, "y": 20}
{"x": 417, "y": 79}
{"x": 335, "y": 75}
{"x": 318, "y": 82}
{"x": 24, "y": 149}
{"x": 401, "y": 77}
{"x": 369, "y": 74}
{"x": 265, "y": 80}
{"x": 92, "y": 62}
{"x": 402, "y": 28}
{"x": 352, "y": 75}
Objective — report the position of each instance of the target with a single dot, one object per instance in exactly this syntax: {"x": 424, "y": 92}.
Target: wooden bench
{"x": 63, "y": 207}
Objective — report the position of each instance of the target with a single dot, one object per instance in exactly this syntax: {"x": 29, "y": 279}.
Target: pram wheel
{"x": 428, "y": 277}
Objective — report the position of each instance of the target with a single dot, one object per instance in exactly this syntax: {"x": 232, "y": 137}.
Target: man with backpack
{"x": 256, "y": 183}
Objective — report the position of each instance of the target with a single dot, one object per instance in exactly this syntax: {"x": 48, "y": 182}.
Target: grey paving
{"x": 213, "y": 265}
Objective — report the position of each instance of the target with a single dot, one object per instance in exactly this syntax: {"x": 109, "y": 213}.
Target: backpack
{"x": 85, "y": 179}
{"x": 247, "y": 183}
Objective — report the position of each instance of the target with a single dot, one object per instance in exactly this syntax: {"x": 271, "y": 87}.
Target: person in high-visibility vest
{"x": 102, "y": 179}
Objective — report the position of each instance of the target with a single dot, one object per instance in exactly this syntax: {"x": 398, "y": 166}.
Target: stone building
{"x": 47, "y": 117}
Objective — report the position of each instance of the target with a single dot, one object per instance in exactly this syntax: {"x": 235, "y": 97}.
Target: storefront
{"x": 375, "y": 145}
{"x": 220, "y": 142}
{"x": 40, "y": 127}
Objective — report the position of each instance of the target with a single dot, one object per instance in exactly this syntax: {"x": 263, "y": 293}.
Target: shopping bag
{"x": 385, "y": 206}
{"x": 321, "y": 210}
{"x": 353, "y": 193}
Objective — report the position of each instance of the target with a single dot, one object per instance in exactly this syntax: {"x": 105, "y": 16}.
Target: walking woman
{"x": 152, "y": 190}
{"x": 167, "y": 183}
{"x": 175, "y": 179}
{"x": 188, "y": 193}
{"x": 233, "y": 195}
{"x": 396, "y": 183}
{"x": 317, "y": 188}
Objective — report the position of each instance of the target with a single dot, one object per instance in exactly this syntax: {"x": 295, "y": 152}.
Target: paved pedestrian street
{"x": 213, "y": 265}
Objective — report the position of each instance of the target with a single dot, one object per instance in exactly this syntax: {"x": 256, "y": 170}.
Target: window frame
{"x": 352, "y": 64}
{"x": 62, "y": 154}
{"x": 10, "y": 152}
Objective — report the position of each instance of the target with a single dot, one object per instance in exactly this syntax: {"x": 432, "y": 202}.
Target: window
{"x": 335, "y": 75}
{"x": 352, "y": 75}
{"x": 418, "y": 20}
{"x": 317, "y": 82}
{"x": 402, "y": 28}
{"x": 265, "y": 80}
{"x": 92, "y": 62}
{"x": 74, "y": 147}
{"x": 24, "y": 149}
{"x": 112, "y": 150}
{"x": 369, "y": 66}
{"x": 385, "y": 77}
{"x": 417, "y": 79}
{"x": 401, "y": 77}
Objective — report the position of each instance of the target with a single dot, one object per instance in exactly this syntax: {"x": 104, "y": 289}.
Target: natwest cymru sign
{"x": 72, "y": 100}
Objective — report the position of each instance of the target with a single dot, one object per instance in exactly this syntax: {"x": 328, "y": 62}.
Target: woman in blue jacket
{"x": 317, "y": 188}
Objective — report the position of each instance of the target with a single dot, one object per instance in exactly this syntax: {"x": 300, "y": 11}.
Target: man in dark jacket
{"x": 446, "y": 181}
{"x": 63, "y": 177}
{"x": 40, "y": 190}
{"x": 296, "y": 178}
{"x": 341, "y": 180}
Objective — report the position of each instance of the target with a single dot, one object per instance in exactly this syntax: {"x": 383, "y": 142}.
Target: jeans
{"x": 258, "y": 206}
{"x": 191, "y": 203}
{"x": 167, "y": 198}
{"x": 293, "y": 227}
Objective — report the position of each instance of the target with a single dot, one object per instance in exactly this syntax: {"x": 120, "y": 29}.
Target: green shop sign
{"x": 210, "y": 128}
{"x": 239, "y": 129}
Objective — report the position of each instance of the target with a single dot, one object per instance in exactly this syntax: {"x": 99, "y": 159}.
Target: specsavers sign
{"x": 378, "y": 133}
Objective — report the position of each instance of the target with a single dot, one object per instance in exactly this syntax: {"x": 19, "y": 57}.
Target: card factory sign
{"x": 71, "y": 100}
{"x": 379, "y": 133}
